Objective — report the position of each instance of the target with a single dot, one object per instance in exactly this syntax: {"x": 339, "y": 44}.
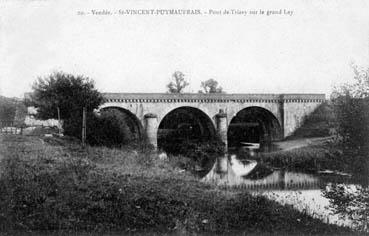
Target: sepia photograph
{"x": 184, "y": 117}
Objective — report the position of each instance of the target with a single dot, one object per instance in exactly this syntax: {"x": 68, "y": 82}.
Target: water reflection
{"x": 253, "y": 149}
{"x": 308, "y": 193}
{"x": 236, "y": 171}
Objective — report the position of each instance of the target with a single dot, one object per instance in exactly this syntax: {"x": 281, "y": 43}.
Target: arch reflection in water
{"x": 237, "y": 172}
{"x": 303, "y": 191}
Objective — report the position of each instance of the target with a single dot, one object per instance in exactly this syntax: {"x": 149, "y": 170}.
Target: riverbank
{"x": 315, "y": 155}
{"x": 54, "y": 184}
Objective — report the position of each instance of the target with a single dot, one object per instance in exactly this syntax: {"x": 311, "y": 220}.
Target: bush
{"x": 108, "y": 129}
{"x": 353, "y": 120}
{"x": 353, "y": 130}
{"x": 351, "y": 106}
{"x": 350, "y": 202}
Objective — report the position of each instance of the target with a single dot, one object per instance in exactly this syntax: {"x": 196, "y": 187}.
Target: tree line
{"x": 179, "y": 83}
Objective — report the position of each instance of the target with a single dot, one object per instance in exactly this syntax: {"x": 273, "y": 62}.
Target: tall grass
{"x": 63, "y": 187}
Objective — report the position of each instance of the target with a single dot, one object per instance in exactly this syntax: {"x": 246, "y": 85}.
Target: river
{"x": 304, "y": 191}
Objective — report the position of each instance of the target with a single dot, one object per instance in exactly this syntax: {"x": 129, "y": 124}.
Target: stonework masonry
{"x": 150, "y": 108}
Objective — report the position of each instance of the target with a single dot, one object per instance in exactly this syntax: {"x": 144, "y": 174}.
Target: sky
{"x": 308, "y": 48}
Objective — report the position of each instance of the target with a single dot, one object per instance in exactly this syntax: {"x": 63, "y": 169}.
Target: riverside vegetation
{"x": 54, "y": 184}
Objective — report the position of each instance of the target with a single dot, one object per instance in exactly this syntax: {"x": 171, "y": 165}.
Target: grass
{"x": 318, "y": 157}
{"x": 307, "y": 158}
{"x": 53, "y": 184}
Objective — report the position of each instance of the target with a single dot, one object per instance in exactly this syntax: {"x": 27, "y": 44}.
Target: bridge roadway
{"x": 279, "y": 114}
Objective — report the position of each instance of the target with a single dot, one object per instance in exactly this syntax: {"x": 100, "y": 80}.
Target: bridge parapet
{"x": 211, "y": 98}
{"x": 303, "y": 97}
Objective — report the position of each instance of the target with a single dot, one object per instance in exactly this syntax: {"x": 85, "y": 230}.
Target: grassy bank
{"x": 326, "y": 155}
{"x": 53, "y": 184}
{"x": 310, "y": 158}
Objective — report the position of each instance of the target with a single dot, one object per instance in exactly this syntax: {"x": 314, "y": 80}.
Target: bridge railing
{"x": 219, "y": 97}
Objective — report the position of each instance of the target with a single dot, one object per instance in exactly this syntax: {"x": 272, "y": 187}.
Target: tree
{"x": 351, "y": 103}
{"x": 210, "y": 86}
{"x": 351, "y": 106}
{"x": 179, "y": 83}
{"x": 69, "y": 94}
{"x": 65, "y": 91}
{"x": 358, "y": 89}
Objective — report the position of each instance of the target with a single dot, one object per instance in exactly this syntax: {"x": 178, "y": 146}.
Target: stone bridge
{"x": 246, "y": 117}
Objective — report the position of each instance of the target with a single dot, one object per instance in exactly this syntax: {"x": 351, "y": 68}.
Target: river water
{"x": 301, "y": 190}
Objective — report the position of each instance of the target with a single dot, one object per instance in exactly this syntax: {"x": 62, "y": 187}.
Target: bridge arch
{"x": 132, "y": 122}
{"x": 253, "y": 124}
{"x": 184, "y": 123}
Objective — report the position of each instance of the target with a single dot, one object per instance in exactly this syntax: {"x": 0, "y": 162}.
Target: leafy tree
{"x": 70, "y": 94}
{"x": 358, "y": 89}
{"x": 210, "y": 86}
{"x": 178, "y": 84}
{"x": 351, "y": 102}
{"x": 65, "y": 91}
{"x": 351, "y": 106}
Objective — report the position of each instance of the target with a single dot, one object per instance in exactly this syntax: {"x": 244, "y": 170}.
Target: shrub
{"x": 353, "y": 120}
{"x": 351, "y": 202}
{"x": 109, "y": 129}
{"x": 351, "y": 106}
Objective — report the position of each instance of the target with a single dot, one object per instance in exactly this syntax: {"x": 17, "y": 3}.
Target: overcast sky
{"x": 306, "y": 52}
